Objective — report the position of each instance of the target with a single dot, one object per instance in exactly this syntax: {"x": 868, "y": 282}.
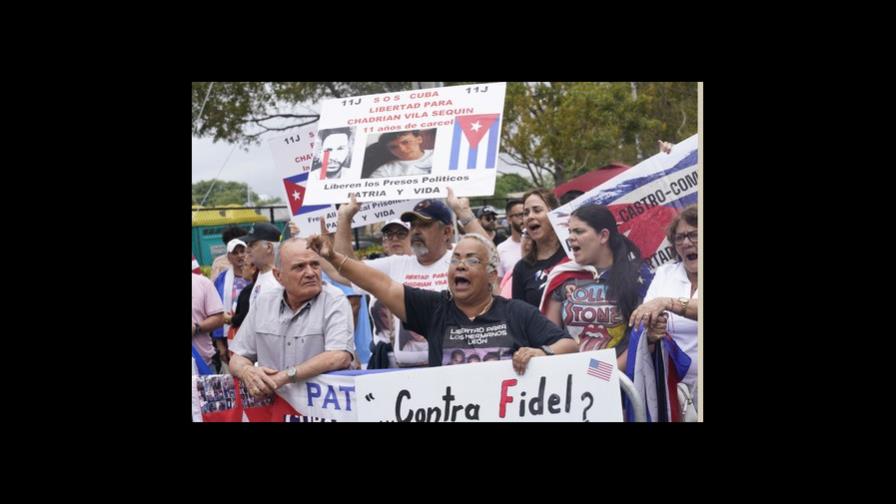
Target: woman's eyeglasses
{"x": 468, "y": 261}
{"x": 395, "y": 235}
{"x": 679, "y": 238}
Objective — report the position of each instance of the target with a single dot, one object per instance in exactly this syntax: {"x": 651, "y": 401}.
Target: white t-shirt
{"x": 406, "y": 269}
{"x": 264, "y": 282}
{"x": 398, "y": 168}
{"x": 671, "y": 280}
{"x": 509, "y": 252}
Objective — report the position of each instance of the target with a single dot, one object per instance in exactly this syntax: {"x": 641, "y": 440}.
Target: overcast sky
{"x": 255, "y": 167}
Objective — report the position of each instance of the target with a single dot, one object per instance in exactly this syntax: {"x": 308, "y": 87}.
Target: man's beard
{"x": 335, "y": 168}
{"x": 419, "y": 248}
{"x": 517, "y": 227}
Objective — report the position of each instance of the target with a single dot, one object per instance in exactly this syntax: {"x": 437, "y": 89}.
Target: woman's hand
{"x": 521, "y": 358}
{"x": 657, "y": 329}
{"x": 648, "y": 312}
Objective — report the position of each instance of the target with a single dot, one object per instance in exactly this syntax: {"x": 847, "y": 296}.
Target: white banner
{"x": 328, "y": 397}
{"x": 293, "y": 154}
{"x": 644, "y": 199}
{"x": 433, "y": 138}
{"x": 571, "y": 387}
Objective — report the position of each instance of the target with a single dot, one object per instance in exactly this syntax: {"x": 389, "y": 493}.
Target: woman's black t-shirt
{"x": 529, "y": 280}
{"x": 454, "y": 339}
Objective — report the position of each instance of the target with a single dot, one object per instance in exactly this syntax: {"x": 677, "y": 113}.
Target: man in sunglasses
{"x": 488, "y": 219}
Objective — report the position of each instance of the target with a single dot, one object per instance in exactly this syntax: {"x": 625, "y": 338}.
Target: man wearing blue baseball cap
{"x": 432, "y": 234}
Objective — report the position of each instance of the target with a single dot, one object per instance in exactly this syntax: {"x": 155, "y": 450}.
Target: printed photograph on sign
{"x": 216, "y": 393}
{"x": 410, "y": 144}
{"x": 254, "y": 402}
{"x": 334, "y": 152}
{"x": 469, "y": 355}
{"x": 399, "y": 154}
{"x": 409, "y": 341}
{"x": 383, "y": 320}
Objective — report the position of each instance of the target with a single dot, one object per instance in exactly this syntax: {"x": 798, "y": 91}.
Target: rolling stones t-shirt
{"x": 591, "y": 316}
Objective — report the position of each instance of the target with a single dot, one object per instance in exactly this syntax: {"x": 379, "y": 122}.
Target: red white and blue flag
{"x": 656, "y": 375}
{"x": 295, "y": 190}
{"x": 644, "y": 199}
{"x": 600, "y": 369}
{"x": 474, "y": 143}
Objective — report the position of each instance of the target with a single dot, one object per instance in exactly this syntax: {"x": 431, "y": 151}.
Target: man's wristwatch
{"x": 291, "y": 374}
{"x": 547, "y": 349}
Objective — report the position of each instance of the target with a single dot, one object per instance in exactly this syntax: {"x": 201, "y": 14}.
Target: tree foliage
{"x": 555, "y": 130}
{"x": 240, "y": 112}
{"x": 510, "y": 183}
{"x": 558, "y": 130}
{"x": 228, "y": 193}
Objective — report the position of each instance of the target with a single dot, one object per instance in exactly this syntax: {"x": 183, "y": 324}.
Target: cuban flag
{"x": 656, "y": 376}
{"x": 470, "y": 148}
{"x": 295, "y": 190}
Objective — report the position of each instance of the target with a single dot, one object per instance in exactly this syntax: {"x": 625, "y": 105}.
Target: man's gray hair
{"x": 489, "y": 246}
{"x": 277, "y": 247}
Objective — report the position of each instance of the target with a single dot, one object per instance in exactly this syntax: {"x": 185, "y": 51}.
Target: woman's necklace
{"x": 489, "y": 305}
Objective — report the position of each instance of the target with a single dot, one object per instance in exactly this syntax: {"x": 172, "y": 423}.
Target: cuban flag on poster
{"x": 303, "y": 214}
{"x": 474, "y": 142}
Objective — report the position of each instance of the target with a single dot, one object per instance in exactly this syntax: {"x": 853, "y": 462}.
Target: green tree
{"x": 228, "y": 193}
{"x": 240, "y": 112}
{"x": 558, "y": 130}
{"x": 555, "y": 130}
{"x": 276, "y": 200}
{"x": 511, "y": 183}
